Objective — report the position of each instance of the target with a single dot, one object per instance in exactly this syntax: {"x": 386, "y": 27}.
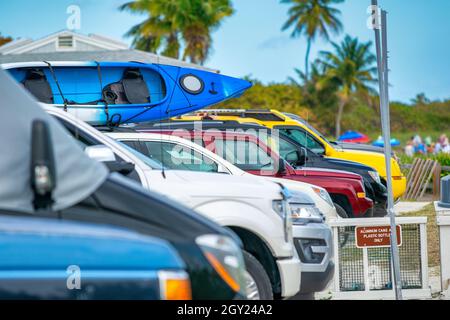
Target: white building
{"x": 72, "y": 46}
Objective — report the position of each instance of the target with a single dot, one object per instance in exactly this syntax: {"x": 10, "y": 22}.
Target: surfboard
{"x": 124, "y": 92}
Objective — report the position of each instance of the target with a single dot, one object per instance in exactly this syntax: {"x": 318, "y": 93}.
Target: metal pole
{"x": 387, "y": 153}
{"x": 383, "y": 81}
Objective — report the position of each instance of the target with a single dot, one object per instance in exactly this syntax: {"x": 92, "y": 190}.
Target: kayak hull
{"x": 79, "y": 88}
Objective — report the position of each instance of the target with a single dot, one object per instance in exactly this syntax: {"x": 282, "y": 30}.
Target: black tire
{"x": 341, "y": 211}
{"x": 259, "y": 275}
{"x": 303, "y": 296}
{"x": 343, "y": 214}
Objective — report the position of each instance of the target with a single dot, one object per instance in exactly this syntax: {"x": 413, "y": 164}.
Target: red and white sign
{"x": 376, "y": 236}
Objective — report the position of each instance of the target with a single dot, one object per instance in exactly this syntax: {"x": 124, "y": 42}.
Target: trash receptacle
{"x": 442, "y": 208}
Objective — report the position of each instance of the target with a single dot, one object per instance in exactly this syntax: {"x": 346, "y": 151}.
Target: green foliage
{"x": 422, "y": 117}
{"x": 174, "y": 24}
{"x": 349, "y": 70}
{"x": 361, "y": 114}
{"x": 273, "y": 96}
{"x": 4, "y": 40}
{"x": 312, "y": 18}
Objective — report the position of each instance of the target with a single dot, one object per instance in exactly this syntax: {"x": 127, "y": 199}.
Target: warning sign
{"x": 376, "y": 236}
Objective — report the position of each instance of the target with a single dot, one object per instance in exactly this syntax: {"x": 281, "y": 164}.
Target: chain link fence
{"x": 366, "y": 273}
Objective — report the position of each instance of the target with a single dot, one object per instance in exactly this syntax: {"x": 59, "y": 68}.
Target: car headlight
{"x": 324, "y": 195}
{"x": 302, "y": 214}
{"x": 282, "y": 208}
{"x": 226, "y": 259}
{"x": 375, "y": 176}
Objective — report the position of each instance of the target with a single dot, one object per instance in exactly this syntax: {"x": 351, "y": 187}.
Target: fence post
{"x": 337, "y": 277}
{"x": 424, "y": 254}
{"x": 437, "y": 181}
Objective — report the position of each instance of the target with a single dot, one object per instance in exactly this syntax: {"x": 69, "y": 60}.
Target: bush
{"x": 320, "y": 111}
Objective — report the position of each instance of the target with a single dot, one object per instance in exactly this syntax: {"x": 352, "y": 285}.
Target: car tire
{"x": 341, "y": 211}
{"x": 303, "y": 296}
{"x": 347, "y": 230}
{"x": 256, "y": 273}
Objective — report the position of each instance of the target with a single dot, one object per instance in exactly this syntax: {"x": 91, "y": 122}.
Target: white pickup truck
{"x": 312, "y": 237}
{"x": 258, "y": 213}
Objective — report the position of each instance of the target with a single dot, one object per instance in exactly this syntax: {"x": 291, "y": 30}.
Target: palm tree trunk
{"x": 308, "y": 50}
{"x": 340, "y": 112}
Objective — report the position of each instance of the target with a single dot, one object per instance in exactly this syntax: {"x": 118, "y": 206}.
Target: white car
{"x": 312, "y": 238}
{"x": 256, "y": 212}
{"x": 319, "y": 195}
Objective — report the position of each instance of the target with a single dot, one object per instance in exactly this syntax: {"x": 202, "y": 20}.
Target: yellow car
{"x": 302, "y": 132}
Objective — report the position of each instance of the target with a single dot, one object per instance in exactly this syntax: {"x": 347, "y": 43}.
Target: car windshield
{"x": 246, "y": 155}
{"x": 306, "y": 124}
{"x": 179, "y": 157}
{"x": 150, "y": 162}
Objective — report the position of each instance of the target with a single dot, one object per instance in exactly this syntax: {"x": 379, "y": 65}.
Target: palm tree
{"x": 158, "y": 31}
{"x": 312, "y": 18}
{"x": 420, "y": 100}
{"x": 4, "y": 40}
{"x": 202, "y": 18}
{"x": 350, "y": 69}
{"x": 172, "y": 24}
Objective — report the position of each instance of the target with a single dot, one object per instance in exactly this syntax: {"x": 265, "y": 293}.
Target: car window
{"x": 179, "y": 157}
{"x": 79, "y": 135}
{"x": 245, "y": 154}
{"x": 144, "y": 158}
{"x": 304, "y": 138}
{"x": 285, "y": 147}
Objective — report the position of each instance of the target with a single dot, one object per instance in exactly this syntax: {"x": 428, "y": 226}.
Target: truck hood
{"x": 350, "y": 164}
{"x": 319, "y": 172}
{"x": 369, "y": 158}
{"x": 188, "y": 184}
{"x": 356, "y": 146}
{"x": 303, "y": 190}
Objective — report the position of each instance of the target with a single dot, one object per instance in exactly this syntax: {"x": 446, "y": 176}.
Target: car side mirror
{"x": 122, "y": 167}
{"x": 302, "y": 157}
{"x": 105, "y": 155}
{"x": 297, "y": 157}
{"x": 42, "y": 166}
{"x": 100, "y": 153}
{"x": 281, "y": 166}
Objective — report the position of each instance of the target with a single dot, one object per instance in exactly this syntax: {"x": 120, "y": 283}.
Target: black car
{"x": 124, "y": 203}
{"x": 296, "y": 154}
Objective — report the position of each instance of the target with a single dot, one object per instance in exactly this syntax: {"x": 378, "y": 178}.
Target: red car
{"x": 250, "y": 154}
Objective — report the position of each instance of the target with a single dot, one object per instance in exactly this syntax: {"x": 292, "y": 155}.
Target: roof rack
{"x": 226, "y": 111}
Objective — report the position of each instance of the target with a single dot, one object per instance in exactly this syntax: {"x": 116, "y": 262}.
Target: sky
{"x": 251, "y": 41}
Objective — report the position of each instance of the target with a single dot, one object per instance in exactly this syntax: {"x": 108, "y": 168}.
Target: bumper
{"x": 317, "y": 281}
{"x": 399, "y": 186}
{"x": 378, "y": 193}
{"x": 365, "y": 206}
{"x": 380, "y": 210}
{"x": 314, "y": 246}
{"x": 290, "y": 275}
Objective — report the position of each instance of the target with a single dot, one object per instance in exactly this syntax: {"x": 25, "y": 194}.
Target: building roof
{"x": 86, "y": 48}
{"x": 50, "y": 43}
{"x": 101, "y": 56}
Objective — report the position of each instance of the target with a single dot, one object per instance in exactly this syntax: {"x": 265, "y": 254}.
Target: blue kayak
{"x": 123, "y": 92}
